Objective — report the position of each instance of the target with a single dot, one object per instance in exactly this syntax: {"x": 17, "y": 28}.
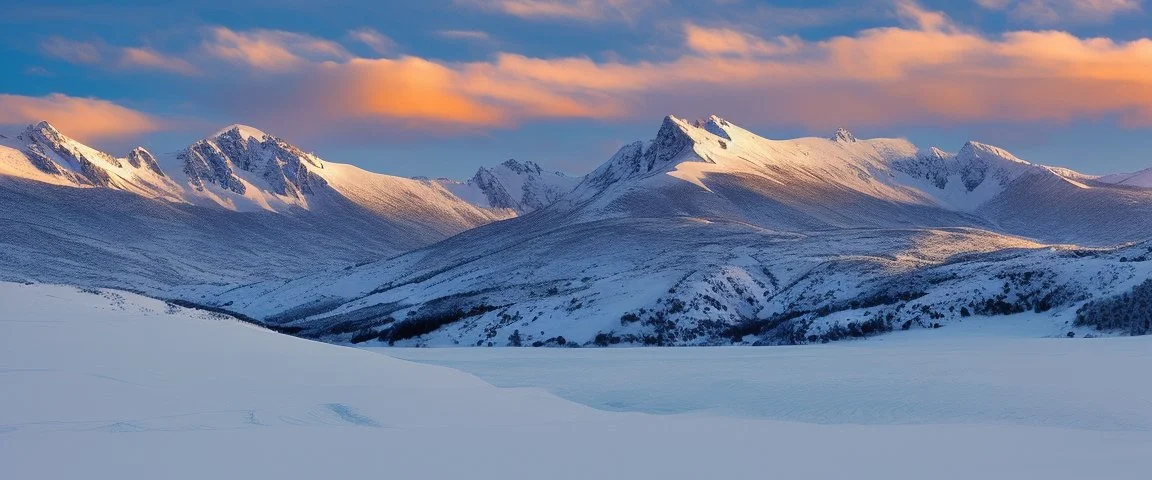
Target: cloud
{"x": 470, "y": 35}
{"x": 377, "y": 41}
{"x": 140, "y": 58}
{"x": 84, "y": 119}
{"x": 147, "y": 58}
{"x": 270, "y": 49}
{"x": 71, "y": 51}
{"x": 38, "y": 71}
{"x": 723, "y": 41}
{"x": 911, "y": 13}
{"x": 1053, "y": 12}
{"x": 926, "y": 70}
{"x": 930, "y": 70}
{"x": 586, "y": 10}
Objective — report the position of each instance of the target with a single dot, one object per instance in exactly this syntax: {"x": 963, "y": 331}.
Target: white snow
{"x": 246, "y": 132}
{"x": 114, "y": 385}
{"x": 1142, "y": 179}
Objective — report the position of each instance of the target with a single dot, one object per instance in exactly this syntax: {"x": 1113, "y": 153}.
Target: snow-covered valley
{"x": 106, "y": 383}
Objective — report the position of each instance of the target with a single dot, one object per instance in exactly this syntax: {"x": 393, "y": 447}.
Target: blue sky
{"x": 440, "y": 87}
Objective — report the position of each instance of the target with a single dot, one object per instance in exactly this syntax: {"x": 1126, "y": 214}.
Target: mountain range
{"x": 706, "y": 234}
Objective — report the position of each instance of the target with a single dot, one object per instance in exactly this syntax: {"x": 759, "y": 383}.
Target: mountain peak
{"x": 843, "y": 135}
{"x": 242, "y": 131}
{"x": 44, "y": 125}
{"x": 983, "y": 151}
{"x": 521, "y": 167}
{"x": 46, "y": 130}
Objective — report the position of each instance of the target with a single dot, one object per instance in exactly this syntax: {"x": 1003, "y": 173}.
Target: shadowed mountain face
{"x": 709, "y": 234}
{"x": 244, "y": 207}
{"x": 706, "y": 234}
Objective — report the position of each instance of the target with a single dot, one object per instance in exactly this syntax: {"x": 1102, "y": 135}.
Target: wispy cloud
{"x": 1053, "y": 12}
{"x": 107, "y": 56}
{"x": 71, "y": 50}
{"x": 83, "y": 118}
{"x": 38, "y": 71}
{"x": 930, "y": 69}
{"x": 722, "y": 41}
{"x": 469, "y": 35}
{"x": 147, "y": 58}
{"x": 270, "y": 49}
{"x": 925, "y": 68}
{"x": 377, "y": 41}
{"x": 586, "y": 10}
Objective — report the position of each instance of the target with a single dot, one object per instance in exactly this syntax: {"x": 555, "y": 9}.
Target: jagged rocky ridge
{"x": 243, "y": 206}
{"x": 709, "y": 234}
{"x": 513, "y": 185}
{"x": 706, "y": 234}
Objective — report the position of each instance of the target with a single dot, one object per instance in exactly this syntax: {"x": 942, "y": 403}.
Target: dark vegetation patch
{"x": 433, "y": 315}
{"x": 239, "y": 316}
{"x": 306, "y": 310}
{"x": 785, "y": 327}
{"x": 1130, "y": 312}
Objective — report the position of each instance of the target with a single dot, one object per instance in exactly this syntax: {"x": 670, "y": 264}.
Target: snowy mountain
{"x": 242, "y": 168}
{"x": 709, "y": 234}
{"x": 243, "y": 206}
{"x": 513, "y": 185}
{"x": 41, "y": 153}
{"x": 1142, "y": 179}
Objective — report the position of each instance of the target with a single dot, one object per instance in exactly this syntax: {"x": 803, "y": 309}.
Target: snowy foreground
{"x": 113, "y": 385}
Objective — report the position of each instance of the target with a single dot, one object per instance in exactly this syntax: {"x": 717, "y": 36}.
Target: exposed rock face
{"x": 219, "y": 160}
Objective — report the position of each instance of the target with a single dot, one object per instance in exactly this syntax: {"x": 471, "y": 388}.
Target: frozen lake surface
{"x": 957, "y": 377}
{"x": 104, "y": 384}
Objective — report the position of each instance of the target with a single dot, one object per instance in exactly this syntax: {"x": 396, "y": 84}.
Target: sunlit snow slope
{"x": 237, "y": 207}
{"x": 109, "y": 383}
{"x": 709, "y": 234}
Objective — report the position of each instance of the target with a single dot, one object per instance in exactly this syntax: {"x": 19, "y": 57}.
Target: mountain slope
{"x": 1142, "y": 178}
{"x": 40, "y": 152}
{"x": 247, "y": 206}
{"x": 710, "y": 234}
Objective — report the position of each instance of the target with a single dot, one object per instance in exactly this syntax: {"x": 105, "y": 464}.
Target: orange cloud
{"x": 85, "y": 119}
{"x": 408, "y": 88}
{"x": 930, "y": 71}
{"x": 927, "y": 70}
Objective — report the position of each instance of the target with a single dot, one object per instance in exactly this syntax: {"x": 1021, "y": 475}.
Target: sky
{"x": 441, "y": 87}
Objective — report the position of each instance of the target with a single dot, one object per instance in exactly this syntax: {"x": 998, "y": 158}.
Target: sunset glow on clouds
{"x": 928, "y": 69}
{"x": 916, "y": 65}
{"x": 82, "y": 118}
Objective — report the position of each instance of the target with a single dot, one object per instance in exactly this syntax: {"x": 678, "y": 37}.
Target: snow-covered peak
{"x": 843, "y": 135}
{"x": 513, "y": 185}
{"x": 140, "y": 157}
{"x": 1142, "y": 179}
{"x": 241, "y": 131}
{"x": 42, "y": 153}
{"x": 980, "y": 151}
{"x": 521, "y": 168}
{"x": 46, "y": 130}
